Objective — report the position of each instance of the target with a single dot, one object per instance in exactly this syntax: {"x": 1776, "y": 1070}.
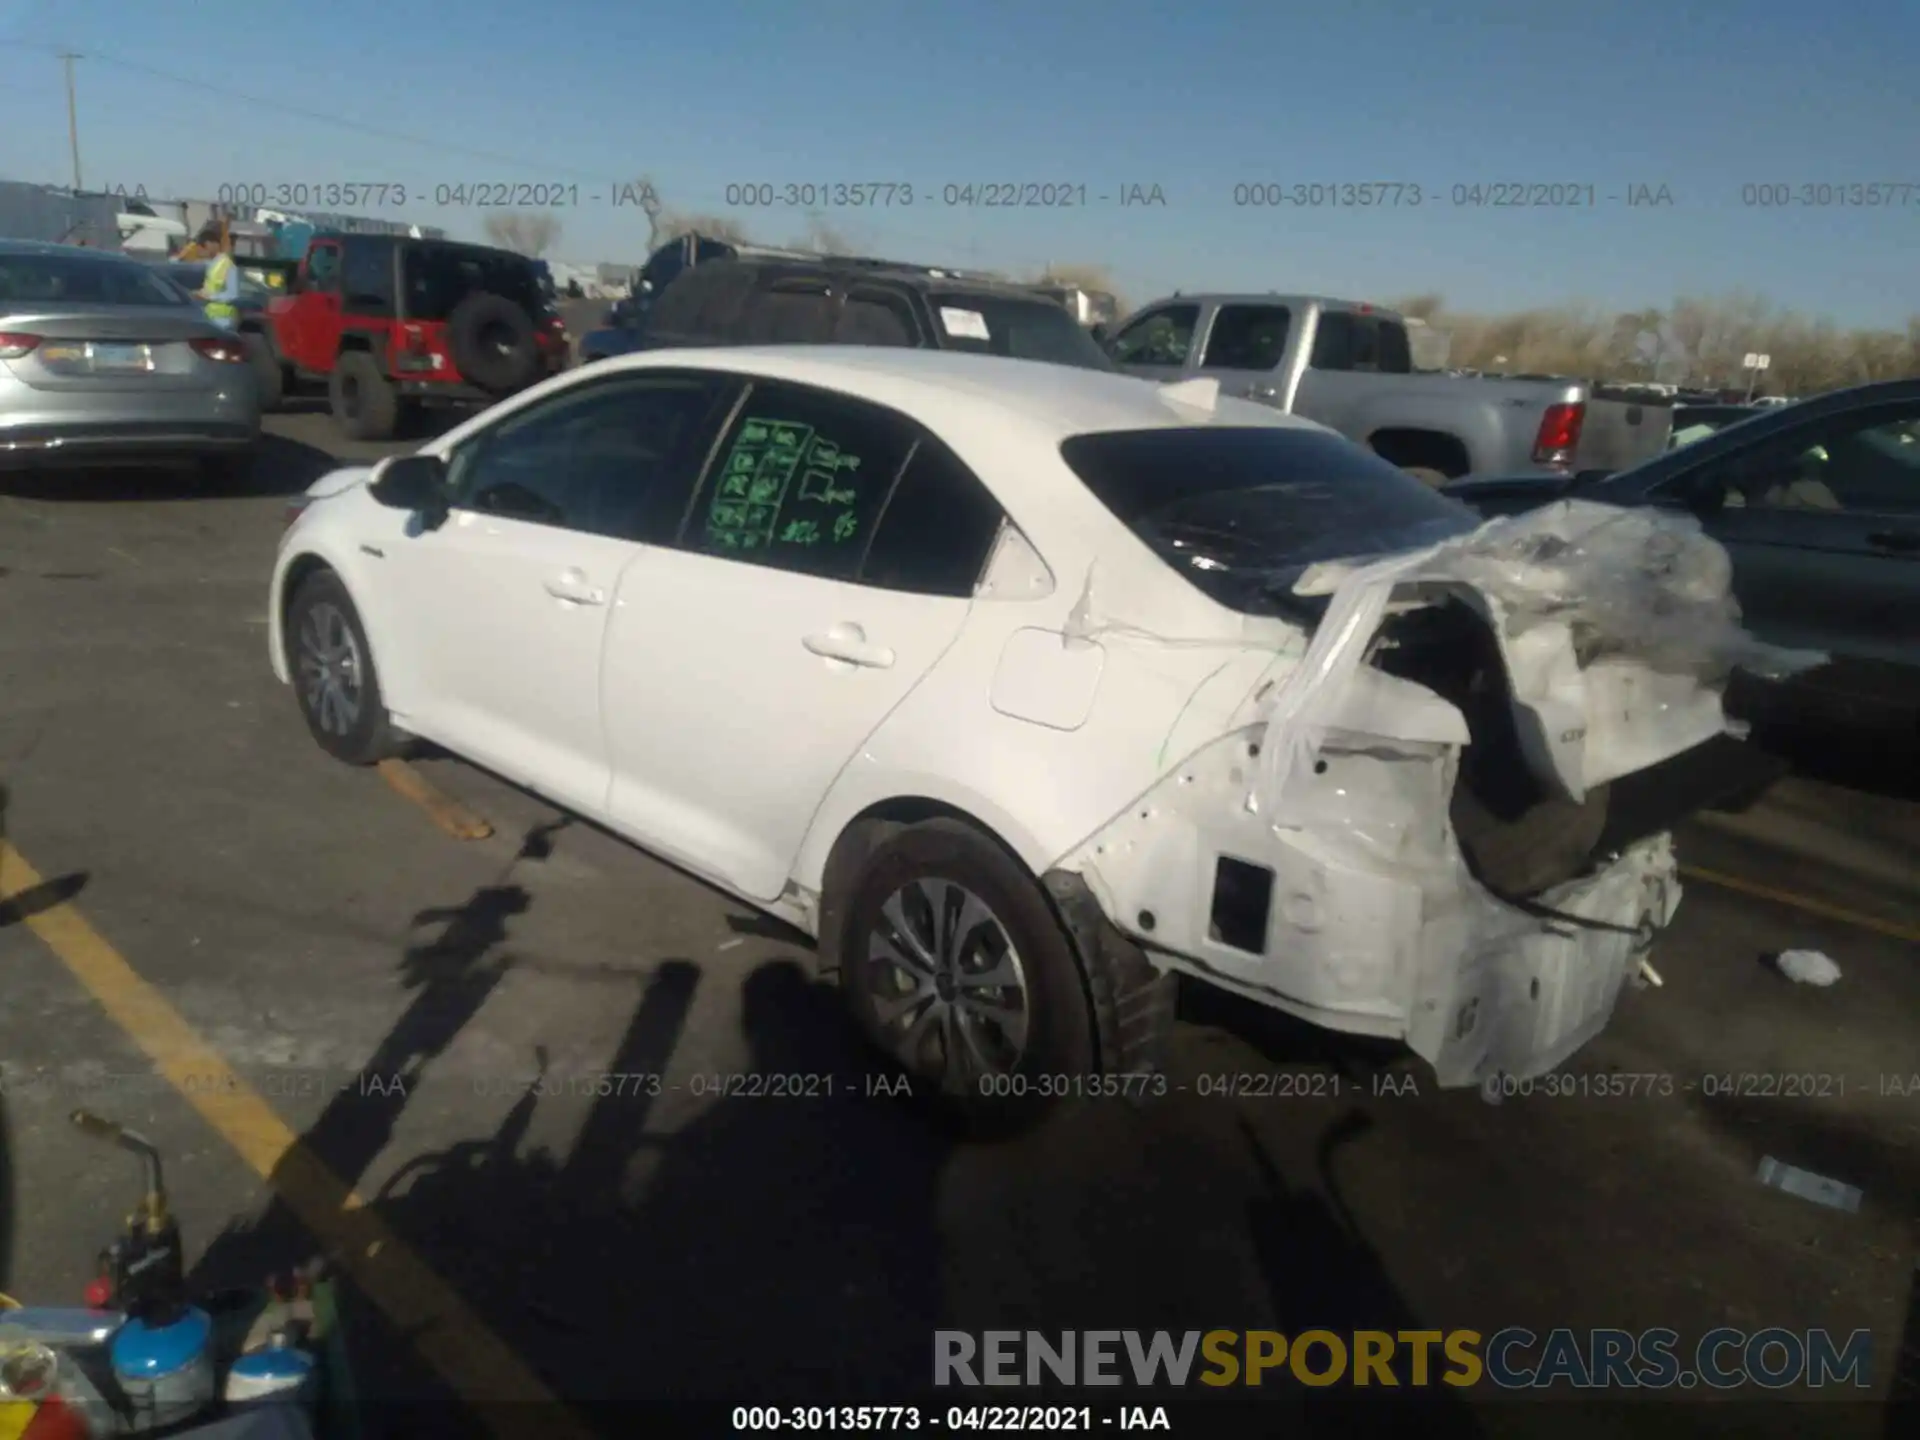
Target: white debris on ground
{"x": 1806, "y": 967}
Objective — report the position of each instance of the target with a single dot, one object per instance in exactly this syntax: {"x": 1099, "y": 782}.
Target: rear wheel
{"x": 955, "y": 965}
{"x": 365, "y": 404}
{"x": 333, "y": 673}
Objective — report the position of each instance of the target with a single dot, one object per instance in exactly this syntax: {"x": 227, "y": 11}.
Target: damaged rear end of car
{"x": 1413, "y": 826}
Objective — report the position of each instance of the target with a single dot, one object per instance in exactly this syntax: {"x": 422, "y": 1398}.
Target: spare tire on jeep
{"x": 493, "y": 342}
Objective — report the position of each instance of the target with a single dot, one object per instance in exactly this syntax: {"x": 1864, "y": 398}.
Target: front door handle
{"x": 849, "y": 643}
{"x": 1895, "y": 540}
{"x": 1263, "y": 392}
{"x": 572, "y": 586}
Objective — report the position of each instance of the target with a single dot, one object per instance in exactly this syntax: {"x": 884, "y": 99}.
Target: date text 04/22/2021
{"x": 1020, "y": 1419}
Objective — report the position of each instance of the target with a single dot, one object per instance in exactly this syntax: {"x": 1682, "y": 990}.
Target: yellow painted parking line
{"x": 508, "y": 1397}
{"x": 445, "y": 811}
{"x": 1804, "y": 902}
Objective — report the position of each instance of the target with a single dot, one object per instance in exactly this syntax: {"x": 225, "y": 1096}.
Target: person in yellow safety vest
{"x": 219, "y": 292}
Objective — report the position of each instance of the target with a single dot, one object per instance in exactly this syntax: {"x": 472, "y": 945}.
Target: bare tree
{"x": 528, "y": 232}
{"x": 717, "y": 227}
{"x": 1086, "y": 277}
{"x": 651, "y": 205}
{"x": 824, "y": 239}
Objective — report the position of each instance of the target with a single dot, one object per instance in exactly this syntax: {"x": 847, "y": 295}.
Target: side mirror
{"x": 412, "y": 482}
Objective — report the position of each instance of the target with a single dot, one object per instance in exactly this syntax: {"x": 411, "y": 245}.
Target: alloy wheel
{"x": 330, "y": 669}
{"x": 949, "y": 990}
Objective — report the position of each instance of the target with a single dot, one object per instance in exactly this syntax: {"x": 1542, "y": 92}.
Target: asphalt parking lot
{"x": 326, "y": 1009}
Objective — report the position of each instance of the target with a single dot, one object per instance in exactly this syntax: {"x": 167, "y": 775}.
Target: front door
{"x": 746, "y": 667}
{"x": 505, "y": 606}
{"x": 1823, "y": 527}
{"x": 307, "y": 323}
{"x": 1157, "y": 344}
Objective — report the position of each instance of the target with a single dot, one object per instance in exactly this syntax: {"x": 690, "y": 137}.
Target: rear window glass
{"x": 1033, "y": 329}
{"x": 59, "y": 279}
{"x": 440, "y": 277}
{"x": 1242, "y": 511}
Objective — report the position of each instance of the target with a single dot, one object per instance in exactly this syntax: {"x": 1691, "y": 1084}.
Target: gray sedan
{"x": 105, "y": 362}
{"x": 1818, "y": 505}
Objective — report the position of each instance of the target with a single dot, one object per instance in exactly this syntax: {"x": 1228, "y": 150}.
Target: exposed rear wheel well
{"x": 1421, "y": 449}
{"x": 862, "y": 835}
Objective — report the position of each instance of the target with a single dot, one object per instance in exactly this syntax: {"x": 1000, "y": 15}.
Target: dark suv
{"x": 826, "y": 301}
{"x": 388, "y": 322}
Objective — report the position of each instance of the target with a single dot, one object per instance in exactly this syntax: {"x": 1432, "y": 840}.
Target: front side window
{"x": 323, "y": 267}
{"x": 1864, "y": 463}
{"x": 1242, "y": 511}
{"x": 1164, "y": 337}
{"x": 611, "y": 459}
{"x": 799, "y": 481}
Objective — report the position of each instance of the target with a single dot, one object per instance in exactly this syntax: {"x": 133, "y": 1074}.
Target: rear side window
{"x": 790, "y": 312}
{"x": 1346, "y": 341}
{"x": 1241, "y": 511}
{"x": 1247, "y": 337}
{"x": 876, "y": 317}
{"x": 799, "y": 482}
{"x": 937, "y": 529}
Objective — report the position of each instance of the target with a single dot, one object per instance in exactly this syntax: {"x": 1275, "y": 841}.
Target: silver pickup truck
{"x": 1349, "y": 366}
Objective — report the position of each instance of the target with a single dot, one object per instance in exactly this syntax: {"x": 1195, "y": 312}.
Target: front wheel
{"x": 333, "y": 674}
{"x": 955, "y": 965}
{"x": 365, "y": 404}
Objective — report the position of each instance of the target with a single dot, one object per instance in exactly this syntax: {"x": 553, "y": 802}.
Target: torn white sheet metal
{"x": 1618, "y": 629}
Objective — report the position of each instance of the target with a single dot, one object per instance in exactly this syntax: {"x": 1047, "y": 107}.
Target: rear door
{"x": 1242, "y": 349}
{"x": 1157, "y": 344}
{"x": 746, "y": 667}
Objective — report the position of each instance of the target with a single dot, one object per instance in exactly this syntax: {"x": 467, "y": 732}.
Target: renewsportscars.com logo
{"x": 1510, "y": 1359}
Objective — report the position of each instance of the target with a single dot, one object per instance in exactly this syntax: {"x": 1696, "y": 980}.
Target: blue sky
{"x": 1194, "y": 98}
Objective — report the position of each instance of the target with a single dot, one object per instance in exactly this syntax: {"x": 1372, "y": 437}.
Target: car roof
{"x": 1270, "y": 297}
{"x": 1053, "y": 401}
{"x": 867, "y": 271}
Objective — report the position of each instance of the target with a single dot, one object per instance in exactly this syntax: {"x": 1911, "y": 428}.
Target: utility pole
{"x": 73, "y": 116}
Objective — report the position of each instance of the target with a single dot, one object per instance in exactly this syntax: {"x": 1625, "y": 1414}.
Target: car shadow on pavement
{"x": 749, "y": 1247}
{"x": 281, "y": 466}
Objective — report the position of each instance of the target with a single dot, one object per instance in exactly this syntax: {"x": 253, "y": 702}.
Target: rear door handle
{"x": 1895, "y": 540}
{"x": 849, "y": 643}
{"x": 572, "y": 586}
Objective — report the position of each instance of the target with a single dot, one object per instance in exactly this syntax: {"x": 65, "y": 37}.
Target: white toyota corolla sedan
{"x": 1023, "y": 688}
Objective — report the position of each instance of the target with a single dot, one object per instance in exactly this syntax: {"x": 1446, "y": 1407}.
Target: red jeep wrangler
{"x": 389, "y": 323}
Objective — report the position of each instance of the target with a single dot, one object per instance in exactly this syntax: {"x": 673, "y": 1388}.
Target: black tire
{"x": 1061, "y": 1032}
{"x": 270, "y": 381}
{"x": 493, "y": 343}
{"x": 366, "y": 738}
{"x": 364, "y": 402}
